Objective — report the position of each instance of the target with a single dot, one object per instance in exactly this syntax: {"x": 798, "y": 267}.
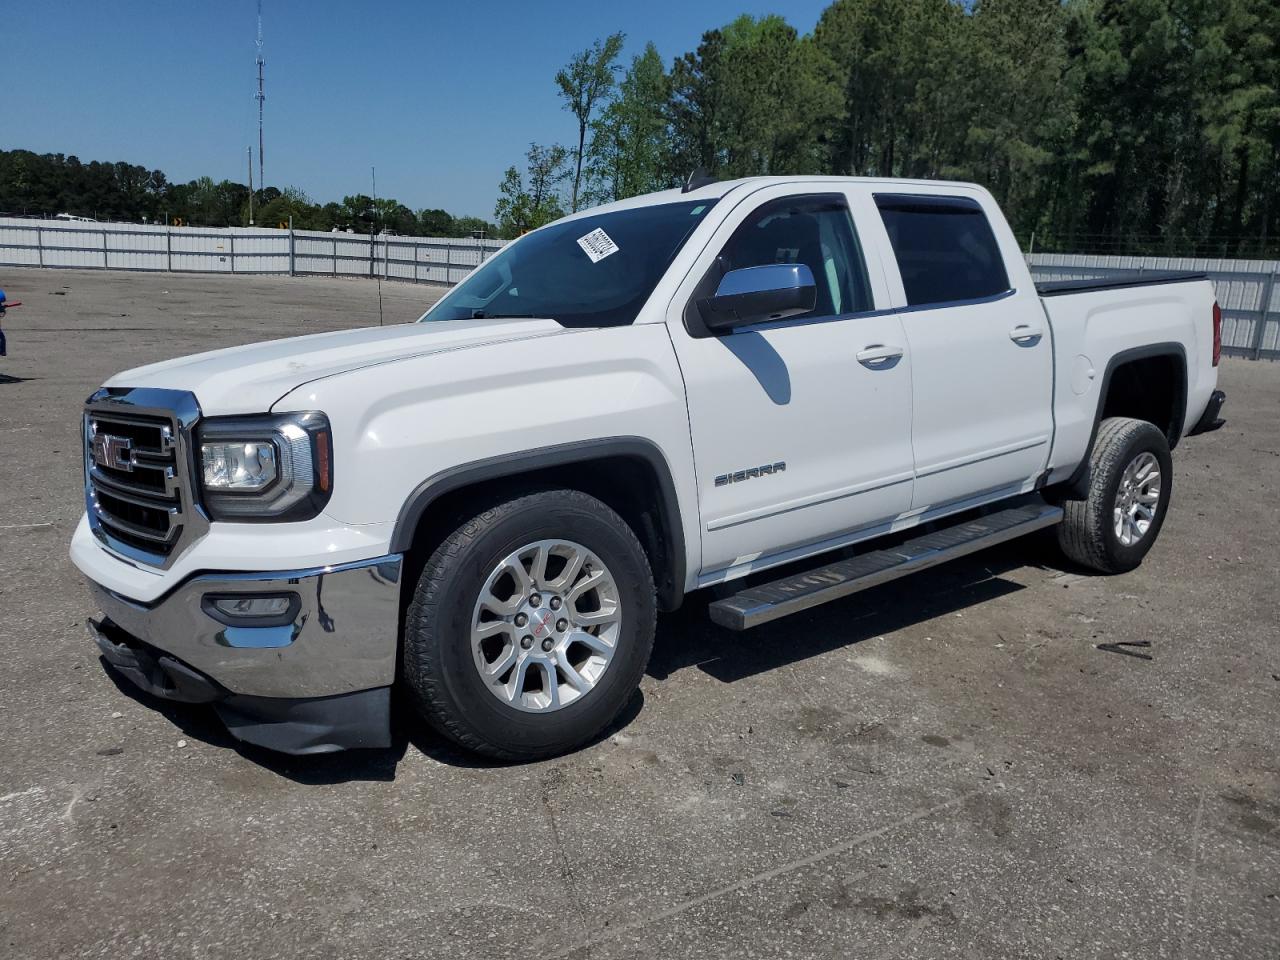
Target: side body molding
{"x": 670, "y": 584}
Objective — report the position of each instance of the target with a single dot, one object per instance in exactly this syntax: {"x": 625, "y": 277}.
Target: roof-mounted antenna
{"x": 699, "y": 178}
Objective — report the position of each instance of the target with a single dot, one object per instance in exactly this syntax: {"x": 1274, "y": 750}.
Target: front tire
{"x": 530, "y": 626}
{"x": 1130, "y": 482}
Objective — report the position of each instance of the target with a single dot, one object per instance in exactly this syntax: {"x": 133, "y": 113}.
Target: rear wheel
{"x": 1130, "y": 481}
{"x": 530, "y": 626}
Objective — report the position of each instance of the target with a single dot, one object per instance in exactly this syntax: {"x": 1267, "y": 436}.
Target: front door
{"x": 801, "y": 427}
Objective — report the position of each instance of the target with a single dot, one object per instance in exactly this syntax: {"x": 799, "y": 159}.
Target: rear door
{"x": 801, "y": 427}
{"x": 981, "y": 354}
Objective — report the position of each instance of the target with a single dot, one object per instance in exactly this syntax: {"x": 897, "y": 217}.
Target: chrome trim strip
{"x": 167, "y": 496}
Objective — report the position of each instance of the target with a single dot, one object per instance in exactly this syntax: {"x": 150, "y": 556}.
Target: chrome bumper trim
{"x": 343, "y": 639}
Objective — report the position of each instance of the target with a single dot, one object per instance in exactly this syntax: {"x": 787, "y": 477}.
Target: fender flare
{"x": 670, "y": 587}
{"x": 1078, "y": 483}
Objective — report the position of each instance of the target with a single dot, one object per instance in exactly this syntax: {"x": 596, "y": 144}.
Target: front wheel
{"x": 530, "y": 626}
{"x": 1130, "y": 481}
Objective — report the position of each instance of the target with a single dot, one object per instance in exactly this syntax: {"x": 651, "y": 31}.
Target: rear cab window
{"x": 945, "y": 248}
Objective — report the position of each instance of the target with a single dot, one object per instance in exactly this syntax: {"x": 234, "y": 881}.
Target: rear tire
{"x": 474, "y": 656}
{"x": 1130, "y": 482}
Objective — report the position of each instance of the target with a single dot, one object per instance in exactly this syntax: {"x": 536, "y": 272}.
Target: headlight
{"x": 238, "y": 465}
{"x": 265, "y": 468}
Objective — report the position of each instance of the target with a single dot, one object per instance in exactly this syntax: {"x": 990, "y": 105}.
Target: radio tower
{"x": 262, "y": 183}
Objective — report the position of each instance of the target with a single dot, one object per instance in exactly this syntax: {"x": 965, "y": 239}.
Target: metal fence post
{"x": 1263, "y": 309}
{"x": 335, "y": 256}
{"x": 40, "y": 244}
{"x": 105, "y": 262}
{"x": 168, "y": 247}
{"x": 233, "y": 253}
{"x": 291, "y": 273}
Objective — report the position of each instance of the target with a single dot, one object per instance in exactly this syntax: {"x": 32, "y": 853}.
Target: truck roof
{"x": 721, "y": 188}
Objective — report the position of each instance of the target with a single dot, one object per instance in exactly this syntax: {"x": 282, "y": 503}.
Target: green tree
{"x": 526, "y": 202}
{"x": 584, "y": 83}
{"x": 630, "y": 146}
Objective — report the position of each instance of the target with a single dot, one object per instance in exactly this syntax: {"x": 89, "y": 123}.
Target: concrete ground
{"x": 981, "y": 761}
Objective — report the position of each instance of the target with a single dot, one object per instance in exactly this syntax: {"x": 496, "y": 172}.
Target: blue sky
{"x": 441, "y": 96}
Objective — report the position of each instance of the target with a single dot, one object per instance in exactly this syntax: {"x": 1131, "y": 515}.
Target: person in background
{"x": 3, "y": 304}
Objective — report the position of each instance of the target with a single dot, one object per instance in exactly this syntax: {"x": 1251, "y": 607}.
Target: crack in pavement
{"x": 790, "y": 866}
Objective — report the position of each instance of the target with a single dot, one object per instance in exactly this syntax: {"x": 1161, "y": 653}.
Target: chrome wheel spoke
{"x": 571, "y": 675}
{"x": 596, "y": 643}
{"x": 572, "y": 567}
{"x": 587, "y": 583}
{"x": 550, "y": 685}
{"x": 532, "y": 646}
{"x": 510, "y": 653}
{"x": 513, "y": 689}
{"x": 489, "y": 628}
{"x": 596, "y": 618}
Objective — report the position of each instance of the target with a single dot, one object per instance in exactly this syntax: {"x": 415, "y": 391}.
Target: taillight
{"x": 1217, "y": 333}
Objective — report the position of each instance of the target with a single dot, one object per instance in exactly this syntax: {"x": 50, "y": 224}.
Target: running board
{"x": 769, "y": 601}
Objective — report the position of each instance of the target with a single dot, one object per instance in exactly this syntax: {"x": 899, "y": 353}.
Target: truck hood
{"x": 251, "y": 378}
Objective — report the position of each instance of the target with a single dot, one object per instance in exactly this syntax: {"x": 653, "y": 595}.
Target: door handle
{"x": 878, "y": 355}
{"x": 1025, "y": 333}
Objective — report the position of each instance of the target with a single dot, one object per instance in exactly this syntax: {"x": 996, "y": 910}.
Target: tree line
{"x": 51, "y": 183}
{"x": 1125, "y": 126}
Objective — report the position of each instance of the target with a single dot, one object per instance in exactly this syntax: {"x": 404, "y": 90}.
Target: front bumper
{"x": 318, "y": 683}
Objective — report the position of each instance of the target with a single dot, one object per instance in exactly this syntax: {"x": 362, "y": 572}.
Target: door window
{"x": 814, "y": 230}
{"x": 944, "y": 247}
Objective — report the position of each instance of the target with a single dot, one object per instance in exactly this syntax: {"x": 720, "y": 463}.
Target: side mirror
{"x": 756, "y": 294}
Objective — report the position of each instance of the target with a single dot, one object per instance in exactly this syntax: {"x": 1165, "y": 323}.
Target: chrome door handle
{"x": 878, "y": 355}
{"x": 1025, "y": 333}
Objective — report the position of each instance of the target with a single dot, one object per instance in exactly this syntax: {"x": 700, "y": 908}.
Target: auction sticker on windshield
{"x": 597, "y": 245}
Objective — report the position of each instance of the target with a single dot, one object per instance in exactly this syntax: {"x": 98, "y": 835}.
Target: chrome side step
{"x": 770, "y": 601}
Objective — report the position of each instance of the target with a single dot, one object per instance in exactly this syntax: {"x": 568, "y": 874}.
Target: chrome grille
{"x": 139, "y": 490}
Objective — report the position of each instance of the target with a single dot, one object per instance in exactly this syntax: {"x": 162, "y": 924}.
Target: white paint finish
{"x": 1082, "y": 375}
{"x": 395, "y": 426}
{"x": 982, "y": 402}
{"x": 1106, "y": 323}
{"x": 793, "y": 392}
{"x": 249, "y": 379}
{"x": 250, "y": 547}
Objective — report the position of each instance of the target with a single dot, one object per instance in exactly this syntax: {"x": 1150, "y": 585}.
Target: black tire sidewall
{"x": 1146, "y": 439}
{"x": 515, "y": 731}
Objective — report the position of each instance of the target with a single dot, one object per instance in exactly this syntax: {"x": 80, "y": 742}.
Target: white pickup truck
{"x": 854, "y": 378}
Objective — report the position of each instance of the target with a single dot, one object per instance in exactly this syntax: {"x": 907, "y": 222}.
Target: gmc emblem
{"x": 115, "y": 453}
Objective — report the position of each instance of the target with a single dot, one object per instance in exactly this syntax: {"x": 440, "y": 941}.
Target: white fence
{"x": 1247, "y": 291}
{"x": 125, "y": 246}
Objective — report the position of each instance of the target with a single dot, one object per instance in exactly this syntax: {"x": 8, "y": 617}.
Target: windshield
{"x": 589, "y": 272}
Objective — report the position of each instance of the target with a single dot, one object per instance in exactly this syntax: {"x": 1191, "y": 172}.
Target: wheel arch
{"x": 629, "y": 474}
{"x": 1173, "y": 353}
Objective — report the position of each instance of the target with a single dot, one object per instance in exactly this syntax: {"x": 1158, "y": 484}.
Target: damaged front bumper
{"x": 314, "y": 680}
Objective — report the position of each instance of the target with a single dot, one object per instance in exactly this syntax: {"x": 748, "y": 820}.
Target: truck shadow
{"x": 200, "y": 722}
{"x": 687, "y": 638}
